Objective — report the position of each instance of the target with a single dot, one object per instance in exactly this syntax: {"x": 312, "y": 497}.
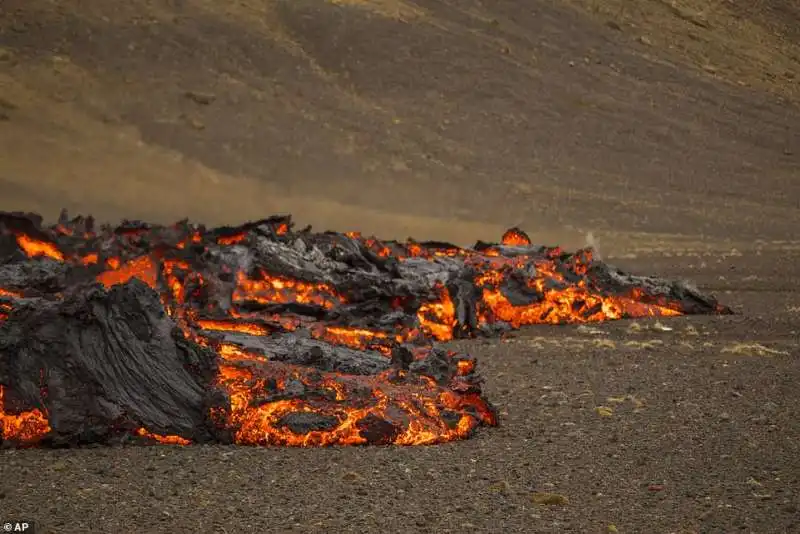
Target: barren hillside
{"x": 405, "y": 117}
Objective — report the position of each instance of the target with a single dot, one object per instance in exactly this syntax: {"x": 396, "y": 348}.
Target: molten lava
{"x": 408, "y": 414}
{"x": 164, "y": 440}
{"x": 34, "y": 248}
{"x": 277, "y": 289}
{"x": 438, "y": 318}
{"x": 142, "y": 268}
{"x": 321, "y": 339}
{"x": 25, "y": 427}
{"x": 515, "y": 237}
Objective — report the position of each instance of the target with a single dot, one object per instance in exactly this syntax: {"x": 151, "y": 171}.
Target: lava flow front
{"x": 262, "y": 335}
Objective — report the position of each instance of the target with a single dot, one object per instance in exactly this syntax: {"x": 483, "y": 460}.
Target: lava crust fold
{"x": 265, "y": 335}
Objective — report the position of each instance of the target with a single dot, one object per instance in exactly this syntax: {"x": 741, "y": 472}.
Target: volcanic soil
{"x": 667, "y": 132}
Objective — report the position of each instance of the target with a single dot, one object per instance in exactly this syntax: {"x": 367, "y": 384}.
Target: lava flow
{"x": 262, "y": 335}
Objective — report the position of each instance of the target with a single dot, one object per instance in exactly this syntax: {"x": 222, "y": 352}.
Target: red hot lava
{"x": 320, "y": 339}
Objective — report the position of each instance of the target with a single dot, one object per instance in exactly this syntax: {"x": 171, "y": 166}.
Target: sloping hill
{"x": 390, "y": 116}
{"x": 750, "y": 44}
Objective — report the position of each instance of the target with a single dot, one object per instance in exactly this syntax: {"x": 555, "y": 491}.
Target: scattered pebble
{"x": 604, "y": 411}
{"x": 635, "y": 327}
{"x": 590, "y": 330}
{"x": 501, "y": 486}
{"x": 351, "y": 476}
{"x": 204, "y": 99}
{"x": 549, "y": 499}
{"x": 770, "y": 407}
{"x": 754, "y": 483}
{"x": 554, "y": 398}
{"x": 662, "y": 327}
{"x": 59, "y": 465}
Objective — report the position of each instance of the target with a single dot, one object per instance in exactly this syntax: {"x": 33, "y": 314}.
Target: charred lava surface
{"x": 265, "y": 335}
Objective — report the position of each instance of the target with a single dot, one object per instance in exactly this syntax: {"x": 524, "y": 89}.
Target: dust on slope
{"x": 443, "y": 112}
{"x": 65, "y": 143}
{"x": 57, "y": 155}
{"x": 747, "y": 43}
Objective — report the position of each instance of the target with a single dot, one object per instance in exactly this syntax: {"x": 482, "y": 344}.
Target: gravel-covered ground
{"x": 683, "y": 425}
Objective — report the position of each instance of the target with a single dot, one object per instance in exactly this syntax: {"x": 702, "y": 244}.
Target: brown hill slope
{"x": 392, "y": 116}
{"x": 751, "y": 44}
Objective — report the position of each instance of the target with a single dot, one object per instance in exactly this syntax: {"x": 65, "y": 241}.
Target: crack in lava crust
{"x": 263, "y": 335}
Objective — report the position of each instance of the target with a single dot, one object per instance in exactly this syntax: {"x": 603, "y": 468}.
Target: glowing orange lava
{"x": 34, "y": 247}
{"x": 438, "y": 318}
{"x": 26, "y": 427}
{"x": 10, "y": 294}
{"x": 204, "y": 291}
{"x": 277, "y": 289}
{"x": 515, "y": 237}
{"x": 352, "y": 337}
{"x": 233, "y": 353}
{"x": 90, "y": 259}
{"x": 163, "y": 439}
{"x": 233, "y": 326}
{"x": 416, "y": 409}
{"x": 231, "y": 239}
{"x": 465, "y": 367}
{"x": 142, "y": 268}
